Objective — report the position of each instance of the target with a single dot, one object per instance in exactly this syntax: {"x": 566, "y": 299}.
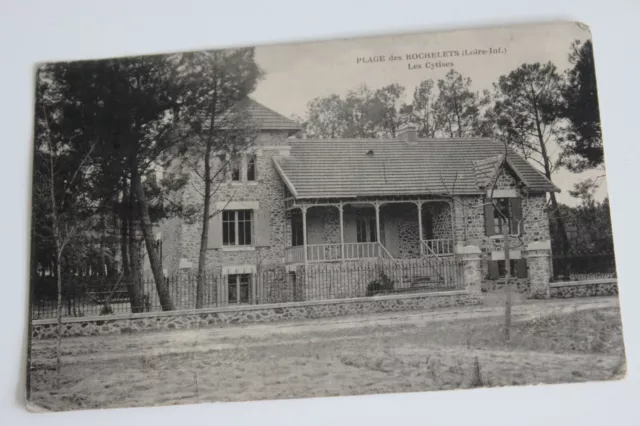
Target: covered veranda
{"x": 339, "y": 230}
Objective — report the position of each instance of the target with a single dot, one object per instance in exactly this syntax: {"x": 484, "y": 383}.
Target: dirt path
{"x": 102, "y": 348}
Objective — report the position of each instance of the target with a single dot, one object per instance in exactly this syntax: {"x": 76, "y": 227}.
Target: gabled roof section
{"x": 349, "y": 168}
{"x": 486, "y": 170}
{"x": 267, "y": 119}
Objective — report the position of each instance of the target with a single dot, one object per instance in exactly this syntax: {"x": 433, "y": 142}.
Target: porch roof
{"x": 348, "y": 168}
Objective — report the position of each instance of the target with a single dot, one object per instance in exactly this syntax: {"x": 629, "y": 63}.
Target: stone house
{"x": 299, "y": 205}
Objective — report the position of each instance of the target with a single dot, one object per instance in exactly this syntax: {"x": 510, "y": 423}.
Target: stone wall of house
{"x": 469, "y": 218}
{"x": 171, "y": 233}
{"x": 441, "y": 214}
{"x": 408, "y": 229}
{"x": 275, "y": 285}
{"x": 323, "y": 225}
{"x": 176, "y": 320}
{"x": 267, "y": 190}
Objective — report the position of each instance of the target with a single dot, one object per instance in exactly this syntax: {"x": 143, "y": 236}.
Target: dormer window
{"x": 235, "y": 169}
{"x": 251, "y": 168}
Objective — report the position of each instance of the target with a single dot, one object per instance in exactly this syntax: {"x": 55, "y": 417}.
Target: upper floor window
{"x": 235, "y": 169}
{"x": 238, "y": 167}
{"x": 236, "y": 227}
{"x": 251, "y": 168}
{"x": 503, "y": 214}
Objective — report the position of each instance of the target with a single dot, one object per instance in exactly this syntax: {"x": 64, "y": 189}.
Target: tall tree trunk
{"x": 204, "y": 237}
{"x": 154, "y": 259}
{"x": 134, "y": 285}
{"x": 559, "y": 228}
{"x": 124, "y": 236}
{"x": 59, "y": 317}
{"x": 507, "y": 284}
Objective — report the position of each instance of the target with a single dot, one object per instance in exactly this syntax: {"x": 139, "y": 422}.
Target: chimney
{"x": 408, "y": 133}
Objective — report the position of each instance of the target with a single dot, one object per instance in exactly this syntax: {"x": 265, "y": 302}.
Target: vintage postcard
{"x": 402, "y": 213}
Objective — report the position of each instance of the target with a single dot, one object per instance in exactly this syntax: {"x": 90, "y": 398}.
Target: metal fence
{"x": 583, "y": 266}
{"x": 82, "y": 297}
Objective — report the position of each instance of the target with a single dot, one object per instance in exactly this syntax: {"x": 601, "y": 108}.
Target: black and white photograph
{"x": 402, "y": 213}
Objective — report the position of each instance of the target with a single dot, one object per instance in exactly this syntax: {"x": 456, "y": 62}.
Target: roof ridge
{"x": 443, "y": 139}
{"x": 277, "y": 114}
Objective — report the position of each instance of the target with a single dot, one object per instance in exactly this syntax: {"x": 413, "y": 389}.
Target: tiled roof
{"x": 267, "y": 119}
{"x": 327, "y": 168}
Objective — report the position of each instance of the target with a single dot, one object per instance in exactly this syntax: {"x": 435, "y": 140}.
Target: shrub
{"x": 381, "y": 285}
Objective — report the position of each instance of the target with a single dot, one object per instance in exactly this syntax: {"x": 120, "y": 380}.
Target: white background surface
{"x": 33, "y": 31}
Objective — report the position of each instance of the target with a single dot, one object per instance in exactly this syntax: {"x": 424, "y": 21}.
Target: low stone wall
{"x": 154, "y": 321}
{"x": 591, "y": 288}
{"x": 520, "y": 284}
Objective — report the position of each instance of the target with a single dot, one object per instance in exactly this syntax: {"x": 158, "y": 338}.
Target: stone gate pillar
{"x": 471, "y": 257}
{"x": 537, "y": 255}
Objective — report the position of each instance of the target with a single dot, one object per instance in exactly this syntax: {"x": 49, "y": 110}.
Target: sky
{"x": 297, "y": 73}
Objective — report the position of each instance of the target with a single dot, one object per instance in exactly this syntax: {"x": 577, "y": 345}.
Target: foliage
{"x": 589, "y": 226}
{"x": 380, "y": 285}
{"x": 584, "y": 139}
{"x": 458, "y": 108}
{"x": 449, "y": 108}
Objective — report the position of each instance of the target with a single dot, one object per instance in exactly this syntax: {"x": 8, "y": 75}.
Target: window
{"x": 235, "y": 169}
{"x": 224, "y": 167}
{"x": 251, "y": 168}
{"x": 502, "y": 271}
{"x": 236, "y": 227}
{"x": 366, "y": 229}
{"x": 501, "y": 216}
{"x": 239, "y": 288}
{"x": 517, "y": 268}
{"x": 507, "y": 213}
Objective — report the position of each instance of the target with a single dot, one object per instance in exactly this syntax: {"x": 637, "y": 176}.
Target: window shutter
{"x": 489, "y": 228}
{"x": 262, "y": 227}
{"x": 516, "y": 214}
{"x": 494, "y": 272}
{"x": 214, "y": 236}
{"x": 521, "y": 268}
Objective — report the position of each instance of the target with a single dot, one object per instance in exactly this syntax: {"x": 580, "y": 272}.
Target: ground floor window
{"x": 502, "y": 270}
{"x": 517, "y": 268}
{"x": 239, "y": 288}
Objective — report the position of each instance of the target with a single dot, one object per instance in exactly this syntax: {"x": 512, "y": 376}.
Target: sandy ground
{"x": 552, "y": 342}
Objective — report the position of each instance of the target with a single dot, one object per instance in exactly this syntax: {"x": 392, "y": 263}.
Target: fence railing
{"x": 438, "y": 247}
{"x": 583, "y": 266}
{"x": 273, "y": 285}
{"x": 333, "y": 252}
